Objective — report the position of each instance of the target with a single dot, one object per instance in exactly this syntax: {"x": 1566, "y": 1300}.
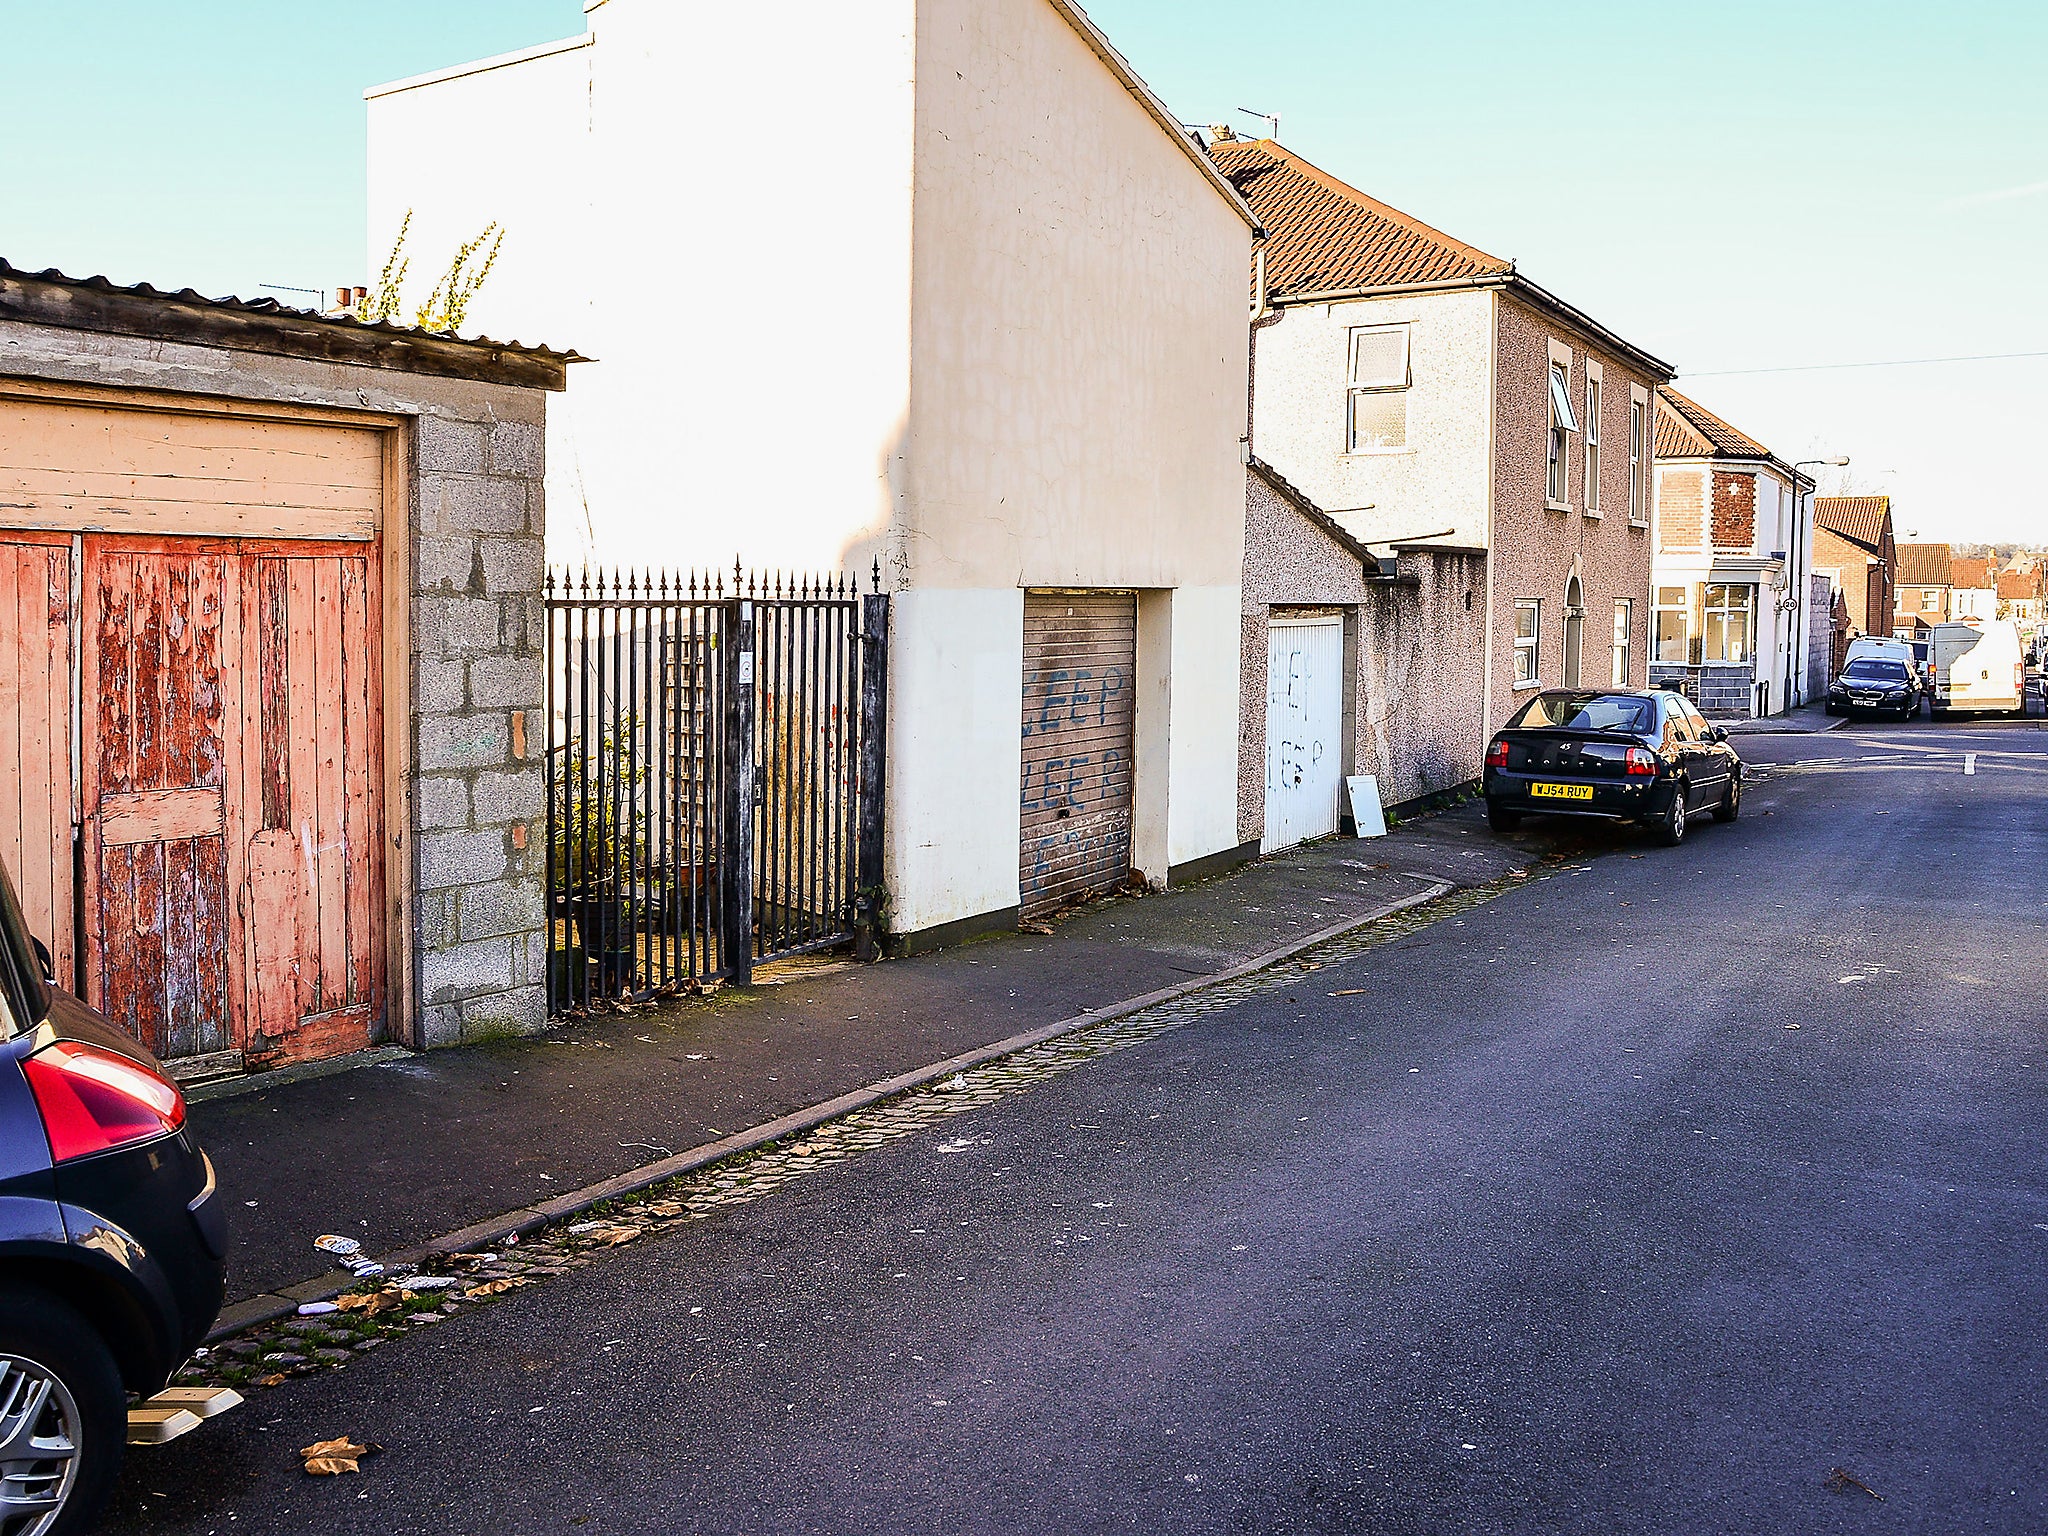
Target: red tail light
{"x": 92, "y": 1100}
{"x": 1497, "y": 755}
{"x": 1642, "y": 763}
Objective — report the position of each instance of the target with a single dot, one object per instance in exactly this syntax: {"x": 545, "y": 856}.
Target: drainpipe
{"x": 1263, "y": 315}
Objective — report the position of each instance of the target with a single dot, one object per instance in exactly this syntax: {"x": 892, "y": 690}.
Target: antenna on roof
{"x": 1271, "y": 120}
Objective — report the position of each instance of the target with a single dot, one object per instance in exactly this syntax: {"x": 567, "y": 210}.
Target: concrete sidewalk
{"x": 400, "y": 1152}
{"x": 1808, "y": 719}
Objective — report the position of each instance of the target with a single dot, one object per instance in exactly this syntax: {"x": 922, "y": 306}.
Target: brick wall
{"x": 1681, "y": 509}
{"x": 1734, "y": 511}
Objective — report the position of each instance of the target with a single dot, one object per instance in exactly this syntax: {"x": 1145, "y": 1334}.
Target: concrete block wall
{"x": 479, "y": 659}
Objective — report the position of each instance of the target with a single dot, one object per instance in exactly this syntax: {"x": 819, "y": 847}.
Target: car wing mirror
{"x": 1718, "y": 733}
{"x": 43, "y": 959}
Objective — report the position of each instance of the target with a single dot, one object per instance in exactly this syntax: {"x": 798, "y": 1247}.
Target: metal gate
{"x": 1304, "y": 728}
{"x": 715, "y": 777}
{"x": 1080, "y": 660}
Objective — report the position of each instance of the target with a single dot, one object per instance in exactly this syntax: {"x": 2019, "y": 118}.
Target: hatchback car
{"x": 111, "y": 1241}
{"x": 1876, "y": 685}
{"x": 1644, "y": 756}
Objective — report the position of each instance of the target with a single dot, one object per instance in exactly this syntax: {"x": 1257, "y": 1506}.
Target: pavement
{"x": 1686, "y": 1190}
{"x": 1802, "y": 721}
{"x": 401, "y": 1151}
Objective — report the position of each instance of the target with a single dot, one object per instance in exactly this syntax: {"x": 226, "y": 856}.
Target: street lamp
{"x": 1798, "y": 599}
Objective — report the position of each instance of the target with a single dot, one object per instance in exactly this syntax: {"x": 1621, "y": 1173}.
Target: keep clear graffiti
{"x": 1075, "y": 701}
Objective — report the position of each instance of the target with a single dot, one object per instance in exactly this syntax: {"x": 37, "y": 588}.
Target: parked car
{"x": 1876, "y": 685}
{"x": 112, "y": 1241}
{"x": 1629, "y": 755}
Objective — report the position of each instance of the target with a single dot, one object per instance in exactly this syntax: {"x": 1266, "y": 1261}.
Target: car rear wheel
{"x": 1501, "y": 819}
{"x": 63, "y": 1417}
{"x": 1731, "y": 802}
{"x": 1671, "y": 828}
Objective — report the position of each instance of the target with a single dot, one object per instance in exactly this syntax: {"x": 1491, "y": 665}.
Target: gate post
{"x": 736, "y": 863}
{"x": 874, "y": 713}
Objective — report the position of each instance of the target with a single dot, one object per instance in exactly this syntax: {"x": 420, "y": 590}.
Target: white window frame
{"x": 1683, "y": 608}
{"x": 1594, "y": 390}
{"x": 1385, "y": 386}
{"x": 1558, "y": 429}
{"x": 1624, "y": 645}
{"x": 1641, "y": 456}
{"x": 1724, "y": 611}
{"x": 1530, "y": 644}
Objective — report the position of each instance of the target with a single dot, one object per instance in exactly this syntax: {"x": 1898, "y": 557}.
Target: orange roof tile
{"x": 1860, "y": 519}
{"x": 1688, "y": 430}
{"x": 1923, "y": 565}
{"x": 1972, "y": 573}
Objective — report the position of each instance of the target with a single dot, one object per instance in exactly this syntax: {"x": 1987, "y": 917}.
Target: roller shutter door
{"x": 1080, "y": 660}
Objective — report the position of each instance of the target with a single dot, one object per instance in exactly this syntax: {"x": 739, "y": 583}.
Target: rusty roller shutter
{"x": 1080, "y": 662}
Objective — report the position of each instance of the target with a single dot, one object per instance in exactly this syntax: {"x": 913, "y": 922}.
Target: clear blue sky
{"x": 1733, "y": 186}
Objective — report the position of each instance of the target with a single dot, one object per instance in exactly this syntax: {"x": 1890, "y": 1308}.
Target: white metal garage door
{"x": 1304, "y": 725}
{"x": 1080, "y": 655}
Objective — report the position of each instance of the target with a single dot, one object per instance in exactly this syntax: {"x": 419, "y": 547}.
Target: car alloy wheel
{"x": 1672, "y": 830}
{"x": 1731, "y": 802}
{"x": 39, "y": 1446}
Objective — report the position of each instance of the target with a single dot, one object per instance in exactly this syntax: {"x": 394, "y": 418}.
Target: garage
{"x": 1304, "y": 727}
{"x": 1080, "y": 662}
{"x": 270, "y": 670}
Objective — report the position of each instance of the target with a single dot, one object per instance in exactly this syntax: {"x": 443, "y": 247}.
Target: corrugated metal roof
{"x": 192, "y": 299}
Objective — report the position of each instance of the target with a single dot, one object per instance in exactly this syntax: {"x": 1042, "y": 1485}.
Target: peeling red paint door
{"x": 229, "y": 764}
{"x": 157, "y": 620}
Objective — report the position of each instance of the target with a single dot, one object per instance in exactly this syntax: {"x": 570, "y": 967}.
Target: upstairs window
{"x": 1378, "y": 401}
{"x": 1638, "y": 470}
{"x": 1562, "y": 424}
{"x": 1592, "y": 442}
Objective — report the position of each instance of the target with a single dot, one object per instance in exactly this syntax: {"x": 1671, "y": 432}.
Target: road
{"x": 1641, "y": 1198}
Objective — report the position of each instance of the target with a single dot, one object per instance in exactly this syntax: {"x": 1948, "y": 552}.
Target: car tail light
{"x": 1642, "y": 763}
{"x": 93, "y": 1100}
{"x": 1497, "y": 755}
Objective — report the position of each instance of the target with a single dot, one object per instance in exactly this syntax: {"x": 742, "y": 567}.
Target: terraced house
{"x": 1734, "y": 540}
{"x": 1487, "y": 444}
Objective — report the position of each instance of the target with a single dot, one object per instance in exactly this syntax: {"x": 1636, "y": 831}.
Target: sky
{"x": 1756, "y": 192}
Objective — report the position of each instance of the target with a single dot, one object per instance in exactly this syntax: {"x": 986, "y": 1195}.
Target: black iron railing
{"x": 715, "y": 771}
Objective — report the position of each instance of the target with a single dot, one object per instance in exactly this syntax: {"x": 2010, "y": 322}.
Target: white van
{"x": 1978, "y": 669}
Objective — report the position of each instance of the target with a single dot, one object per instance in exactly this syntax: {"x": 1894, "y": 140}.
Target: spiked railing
{"x": 714, "y": 788}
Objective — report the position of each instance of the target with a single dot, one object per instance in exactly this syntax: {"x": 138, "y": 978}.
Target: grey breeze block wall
{"x": 473, "y": 515}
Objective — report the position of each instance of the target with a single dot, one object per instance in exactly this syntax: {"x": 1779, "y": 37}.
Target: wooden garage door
{"x": 36, "y": 819}
{"x": 231, "y": 830}
{"x": 1080, "y": 660}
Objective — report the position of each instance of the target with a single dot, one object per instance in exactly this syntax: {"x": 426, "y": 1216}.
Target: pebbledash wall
{"x": 464, "y": 499}
{"x": 1414, "y": 642}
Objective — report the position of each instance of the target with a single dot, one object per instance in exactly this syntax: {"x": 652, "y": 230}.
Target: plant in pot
{"x": 594, "y": 855}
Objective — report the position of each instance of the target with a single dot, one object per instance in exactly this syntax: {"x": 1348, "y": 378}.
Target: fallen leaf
{"x": 663, "y": 1208}
{"x": 1043, "y": 930}
{"x": 371, "y": 1303}
{"x": 276, "y": 1379}
{"x": 331, "y": 1458}
{"x": 1350, "y": 991}
{"x": 611, "y": 1237}
{"x": 495, "y": 1287}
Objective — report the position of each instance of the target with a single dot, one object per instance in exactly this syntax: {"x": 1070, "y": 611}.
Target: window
{"x": 1674, "y": 610}
{"x": 1378, "y": 401}
{"x": 1929, "y": 599}
{"x": 1725, "y": 634}
{"x": 1624, "y": 622}
{"x": 1555, "y": 489}
{"x": 1583, "y": 711}
{"x": 1528, "y": 626}
{"x": 1592, "y": 439}
{"x": 1635, "y": 461}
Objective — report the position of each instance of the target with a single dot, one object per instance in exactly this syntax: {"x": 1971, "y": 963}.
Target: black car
{"x": 1876, "y": 685}
{"x": 111, "y": 1240}
{"x": 1625, "y": 754}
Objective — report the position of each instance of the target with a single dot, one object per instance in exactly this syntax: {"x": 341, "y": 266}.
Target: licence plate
{"x": 1562, "y": 791}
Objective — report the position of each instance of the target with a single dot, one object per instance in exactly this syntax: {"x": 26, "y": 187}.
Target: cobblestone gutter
{"x": 414, "y": 1298}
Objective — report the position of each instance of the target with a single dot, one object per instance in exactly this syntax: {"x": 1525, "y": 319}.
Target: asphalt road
{"x": 1640, "y": 1199}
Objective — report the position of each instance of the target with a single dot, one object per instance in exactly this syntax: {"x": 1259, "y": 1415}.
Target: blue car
{"x": 112, "y": 1242}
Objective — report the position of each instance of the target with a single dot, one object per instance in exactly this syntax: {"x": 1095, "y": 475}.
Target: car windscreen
{"x": 1619, "y": 712}
{"x": 21, "y": 973}
{"x": 1875, "y": 672}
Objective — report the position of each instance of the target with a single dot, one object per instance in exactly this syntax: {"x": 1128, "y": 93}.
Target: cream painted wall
{"x": 1441, "y": 479}
{"x": 1080, "y": 330}
{"x": 1202, "y": 780}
